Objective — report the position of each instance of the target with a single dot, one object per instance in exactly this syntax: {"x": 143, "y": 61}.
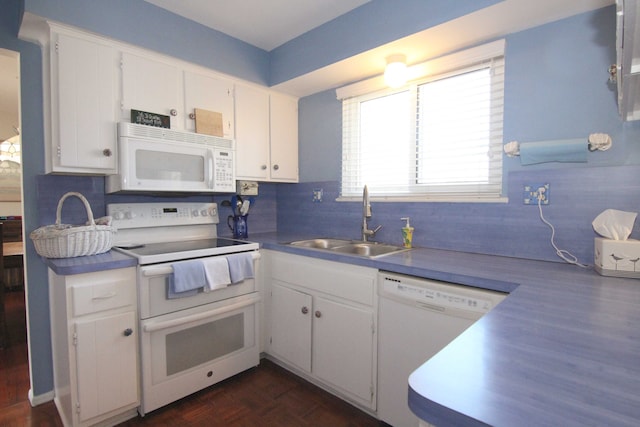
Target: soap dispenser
{"x": 407, "y": 233}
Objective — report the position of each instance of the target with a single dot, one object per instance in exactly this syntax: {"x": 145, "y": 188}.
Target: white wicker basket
{"x": 67, "y": 241}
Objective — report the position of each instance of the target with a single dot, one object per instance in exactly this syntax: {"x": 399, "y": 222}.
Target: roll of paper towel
{"x": 565, "y": 151}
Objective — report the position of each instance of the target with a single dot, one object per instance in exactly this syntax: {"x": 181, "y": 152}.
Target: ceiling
{"x": 283, "y": 20}
{"x": 266, "y": 24}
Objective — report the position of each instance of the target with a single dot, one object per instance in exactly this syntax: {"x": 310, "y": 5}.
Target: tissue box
{"x": 618, "y": 258}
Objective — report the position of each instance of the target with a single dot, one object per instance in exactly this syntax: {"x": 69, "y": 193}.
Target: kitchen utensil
{"x": 244, "y": 210}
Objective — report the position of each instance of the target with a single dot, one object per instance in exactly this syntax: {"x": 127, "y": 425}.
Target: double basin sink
{"x": 350, "y": 247}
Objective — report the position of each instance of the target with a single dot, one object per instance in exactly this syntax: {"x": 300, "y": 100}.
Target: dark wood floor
{"x": 264, "y": 396}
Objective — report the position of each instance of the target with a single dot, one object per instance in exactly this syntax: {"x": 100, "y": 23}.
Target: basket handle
{"x": 86, "y": 205}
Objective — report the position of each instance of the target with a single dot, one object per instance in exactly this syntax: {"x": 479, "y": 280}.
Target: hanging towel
{"x": 565, "y": 151}
{"x": 187, "y": 277}
{"x": 216, "y": 271}
{"x": 240, "y": 266}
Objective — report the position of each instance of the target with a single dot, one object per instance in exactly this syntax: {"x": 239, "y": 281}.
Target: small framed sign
{"x": 150, "y": 119}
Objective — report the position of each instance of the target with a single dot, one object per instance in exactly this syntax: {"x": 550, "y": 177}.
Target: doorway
{"x": 14, "y": 365}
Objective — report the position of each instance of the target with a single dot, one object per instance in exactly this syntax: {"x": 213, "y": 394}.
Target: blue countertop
{"x": 88, "y": 264}
{"x": 562, "y": 349}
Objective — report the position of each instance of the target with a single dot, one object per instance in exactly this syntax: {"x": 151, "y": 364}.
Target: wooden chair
{"x": 4, "y": 334}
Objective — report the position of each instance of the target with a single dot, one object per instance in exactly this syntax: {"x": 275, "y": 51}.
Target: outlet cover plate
{"x": 317, "y": 195}
{"x": 530, "y": 194}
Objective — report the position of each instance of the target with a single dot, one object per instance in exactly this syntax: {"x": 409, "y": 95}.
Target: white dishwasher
{"x": 416, "y": 319}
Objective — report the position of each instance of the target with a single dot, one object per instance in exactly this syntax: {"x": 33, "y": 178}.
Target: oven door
{"x": 186, "y": 351}
{"x": 153, "y": 288}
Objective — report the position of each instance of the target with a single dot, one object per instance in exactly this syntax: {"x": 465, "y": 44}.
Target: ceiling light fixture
{"x": 395, "y": 74}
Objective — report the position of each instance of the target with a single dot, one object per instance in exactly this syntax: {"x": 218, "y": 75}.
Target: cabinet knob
{"x": 276, "y": 167}
{"x": 304, "y": 310}
{"x": 318, "y": 314}
{"x": 263, "y": 167}
{"x": 107, "y": 152}
{"x": 192, "y": 116}
{"x": 128, "y": 332}
{"x": 173, "y": 112}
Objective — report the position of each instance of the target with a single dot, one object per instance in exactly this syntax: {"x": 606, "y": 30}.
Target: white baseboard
{"x": 41, "y": 398}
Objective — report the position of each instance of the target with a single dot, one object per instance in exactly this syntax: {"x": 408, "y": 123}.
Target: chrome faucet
{"x": 366, "y": 213}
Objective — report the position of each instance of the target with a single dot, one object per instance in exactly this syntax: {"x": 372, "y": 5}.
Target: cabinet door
{"x": 209, "y": 93}
{"x": 284, "y": 138}
{"x": 252, "y": 133}
{"x": 151, "y": 86}
{"x": 84, "y": 110}
{"x": 106, "y": 364}
{"x": 291, "y": 326}
{"x": 343, "y": 344}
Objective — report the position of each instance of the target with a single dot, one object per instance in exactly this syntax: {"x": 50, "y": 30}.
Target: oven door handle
{"x": 152, "y": 327}
{"x": 164, "y": 270}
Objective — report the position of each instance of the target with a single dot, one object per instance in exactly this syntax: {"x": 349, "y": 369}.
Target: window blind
{"x": 438, "y": 137}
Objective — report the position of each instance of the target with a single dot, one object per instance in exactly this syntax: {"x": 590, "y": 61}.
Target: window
{"x": 439, "y": 137}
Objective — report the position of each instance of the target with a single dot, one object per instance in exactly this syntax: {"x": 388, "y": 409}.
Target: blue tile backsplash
{"x": 509, "y": 229}
{"x": 50, "y": 188}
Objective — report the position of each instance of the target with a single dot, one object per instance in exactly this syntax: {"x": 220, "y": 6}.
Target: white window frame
{"x": 488, "y": 55}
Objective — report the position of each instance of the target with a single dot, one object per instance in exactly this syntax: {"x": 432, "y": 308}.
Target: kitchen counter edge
{"x": 90, "y": 264}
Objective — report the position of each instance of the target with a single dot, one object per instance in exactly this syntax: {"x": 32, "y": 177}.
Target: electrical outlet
{"x": 317, "y": 195}
{"x": 533, "y": 192}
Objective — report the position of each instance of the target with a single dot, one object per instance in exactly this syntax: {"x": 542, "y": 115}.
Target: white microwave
{"x": 152, "y": 159}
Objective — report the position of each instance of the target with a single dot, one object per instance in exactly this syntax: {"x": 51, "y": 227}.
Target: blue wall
{"x": 373, "y": 24}
{"x": 556, "y": 88}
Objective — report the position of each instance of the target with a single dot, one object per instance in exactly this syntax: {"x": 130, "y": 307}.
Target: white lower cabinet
{"x": 322, "y": 319}
{"x": 95, "y": 346}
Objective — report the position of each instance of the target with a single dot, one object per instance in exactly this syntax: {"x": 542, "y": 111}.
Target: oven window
{"x": 163, "y": 166}
{"x": 194, "y": 346}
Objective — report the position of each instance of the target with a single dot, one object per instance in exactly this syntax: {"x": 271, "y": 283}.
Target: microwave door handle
{"x": 210, "y": 154}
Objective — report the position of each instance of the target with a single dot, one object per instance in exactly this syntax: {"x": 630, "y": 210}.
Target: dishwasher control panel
{"x": 437, "y": 295}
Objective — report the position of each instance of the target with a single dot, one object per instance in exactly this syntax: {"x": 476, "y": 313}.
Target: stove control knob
{"x": 130, "y": 215}
{"x": 213, "y": 212}
{"x": 118, "y": 215}
{"x": 204, "y": 212}
{"x": 195, "y": 213}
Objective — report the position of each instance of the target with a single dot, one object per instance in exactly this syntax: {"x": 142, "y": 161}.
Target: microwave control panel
{"x": 223, "y": 171}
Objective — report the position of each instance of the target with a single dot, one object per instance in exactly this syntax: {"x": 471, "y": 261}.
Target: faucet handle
{"x": 375, "y": 230}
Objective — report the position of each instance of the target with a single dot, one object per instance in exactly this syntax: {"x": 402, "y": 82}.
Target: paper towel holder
{"x": 597, "y": 141}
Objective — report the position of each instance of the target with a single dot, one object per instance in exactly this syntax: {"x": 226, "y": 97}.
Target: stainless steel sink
{"x": 368, "y": 249}
{"x": 321, "y": 243}
{"x": 350, "y": 247}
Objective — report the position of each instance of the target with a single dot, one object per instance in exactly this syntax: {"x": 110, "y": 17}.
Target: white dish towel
{"x": 216, "y": 270}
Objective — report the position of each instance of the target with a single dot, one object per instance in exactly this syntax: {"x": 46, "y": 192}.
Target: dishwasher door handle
{"x": 431, "y": 307}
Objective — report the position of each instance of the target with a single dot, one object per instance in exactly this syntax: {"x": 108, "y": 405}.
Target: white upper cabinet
{"x": 83, "y": 89}
{"x": 628, "y": 53}
{"x": 284, "y": 138}
{"x": 152, "y": 86}
{"x": 212, "y": 94}
{"x": 91, "y": 83}
{"x": 252, "y": 133}
{"x": 266, "y": 135}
